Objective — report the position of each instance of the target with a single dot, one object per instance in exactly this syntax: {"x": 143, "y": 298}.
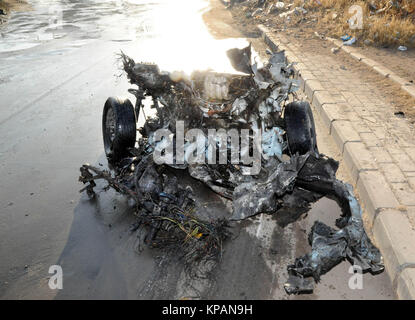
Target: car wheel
{"x": 300, "y": 128}
{"x": 118, "y": 128}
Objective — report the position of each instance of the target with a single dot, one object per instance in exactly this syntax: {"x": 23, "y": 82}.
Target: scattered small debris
{"x": 350, "y": 42}
{"x": 333, "y": 15}
{"x": 271, "y": 9}
{"x": 372, "y": 6}
{"x": 299, "y": 10}
{"x": 296, "y": 10}
{"x": 286, "y": 14}
{"x": 280, "y": 5}
{"x": 400, "y": 114}
{"x": 257, "y": 12}
{"x": 318, "y": 35}
{"x": 345, "y": 37}
{"x": 276, "y": 7}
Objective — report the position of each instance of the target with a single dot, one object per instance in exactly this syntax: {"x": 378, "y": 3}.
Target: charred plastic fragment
{"x": 292, "y": 173}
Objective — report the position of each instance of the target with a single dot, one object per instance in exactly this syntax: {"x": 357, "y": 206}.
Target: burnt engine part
{"x": 118, "y": 128}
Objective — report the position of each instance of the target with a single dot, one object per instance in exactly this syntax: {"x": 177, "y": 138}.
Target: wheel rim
{"x": 110, "y": 124}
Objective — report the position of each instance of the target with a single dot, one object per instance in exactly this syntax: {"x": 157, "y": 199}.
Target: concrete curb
{"x": 391, "y": 229}
{"x": 405, "y": 85}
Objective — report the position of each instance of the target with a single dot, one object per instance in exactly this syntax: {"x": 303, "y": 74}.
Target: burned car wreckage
{"x": 291, "y": 173}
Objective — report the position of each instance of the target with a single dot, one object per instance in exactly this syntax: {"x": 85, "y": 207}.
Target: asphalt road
{"x": 55, "y": 75}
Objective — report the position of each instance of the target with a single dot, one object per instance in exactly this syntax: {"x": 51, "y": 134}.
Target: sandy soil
{"x": 402, "y": 63}
{"x": 220, "y": 21}
{"x": 14, "y": 5}
{"x": 7, "y": 6}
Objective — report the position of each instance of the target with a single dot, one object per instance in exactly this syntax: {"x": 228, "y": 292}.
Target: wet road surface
{"x": 58, "y": 65}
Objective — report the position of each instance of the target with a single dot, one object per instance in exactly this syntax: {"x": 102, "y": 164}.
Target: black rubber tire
{"x": 300, "y": 128}
{"x": 118, "y": 128}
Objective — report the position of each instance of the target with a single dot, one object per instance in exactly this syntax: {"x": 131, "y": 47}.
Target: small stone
{"x": 401, "y": 208}
{"x": 350, "y": 42}
{"x": 280, "y": 5}
{"x": 335, "y": 50}
{"x": 299, "y": 10}
{"x": 257, "y": 12}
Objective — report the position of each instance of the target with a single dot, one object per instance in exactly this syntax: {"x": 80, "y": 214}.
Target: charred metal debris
{"x": 293, "y": 174}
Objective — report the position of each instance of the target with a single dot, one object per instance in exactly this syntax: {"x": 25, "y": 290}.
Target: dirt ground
{"x": 220, "y": 21}
{"x": 306, "y": 25}
{"x": 402, "y": 63}
{"x": 14, "y": 5}
{"x": 7, "y": 6}
{"x": 303, "y": 32}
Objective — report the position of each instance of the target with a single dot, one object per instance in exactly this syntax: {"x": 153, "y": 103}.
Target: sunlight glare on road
{"x": 180, "y": 40}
